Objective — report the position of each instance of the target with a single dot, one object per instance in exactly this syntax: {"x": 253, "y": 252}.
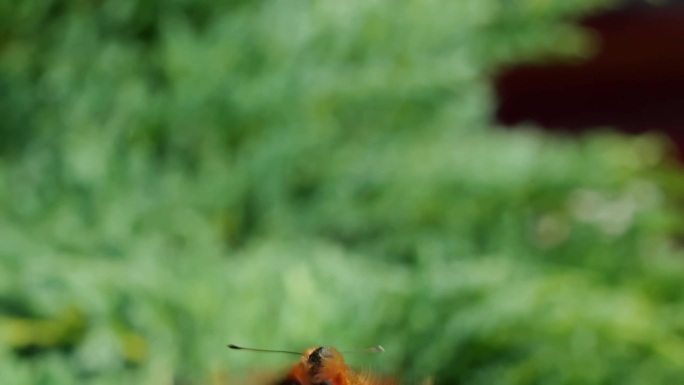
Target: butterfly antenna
{"x": 235, "y": 347}
{"x": 372, "y": 350}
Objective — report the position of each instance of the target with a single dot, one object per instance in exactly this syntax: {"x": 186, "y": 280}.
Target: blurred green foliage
{"x": 180, "y": 175}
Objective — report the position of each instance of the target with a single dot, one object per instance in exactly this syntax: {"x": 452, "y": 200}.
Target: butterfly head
{"x": 320, "y": 366}
{"x": 323, "y": 366}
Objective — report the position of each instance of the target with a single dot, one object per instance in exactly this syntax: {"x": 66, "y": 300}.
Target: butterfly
{"x": 324, "y": 366}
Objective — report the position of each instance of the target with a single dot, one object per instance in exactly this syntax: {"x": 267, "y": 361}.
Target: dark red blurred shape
{"x": 634, "y": 83}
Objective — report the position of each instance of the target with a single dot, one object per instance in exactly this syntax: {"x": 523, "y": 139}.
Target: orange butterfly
{"x": 324, "y": 366}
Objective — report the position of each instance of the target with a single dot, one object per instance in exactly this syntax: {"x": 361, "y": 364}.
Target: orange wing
{"x": 368, "y": 379}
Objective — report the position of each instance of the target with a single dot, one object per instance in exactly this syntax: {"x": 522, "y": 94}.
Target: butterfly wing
{"x": 368, "y": 379}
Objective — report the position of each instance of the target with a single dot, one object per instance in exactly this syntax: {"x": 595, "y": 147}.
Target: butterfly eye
{"x": 316, "y": 356}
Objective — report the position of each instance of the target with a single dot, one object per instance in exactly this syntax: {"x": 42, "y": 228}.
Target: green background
{"x": 178, "y": 175}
